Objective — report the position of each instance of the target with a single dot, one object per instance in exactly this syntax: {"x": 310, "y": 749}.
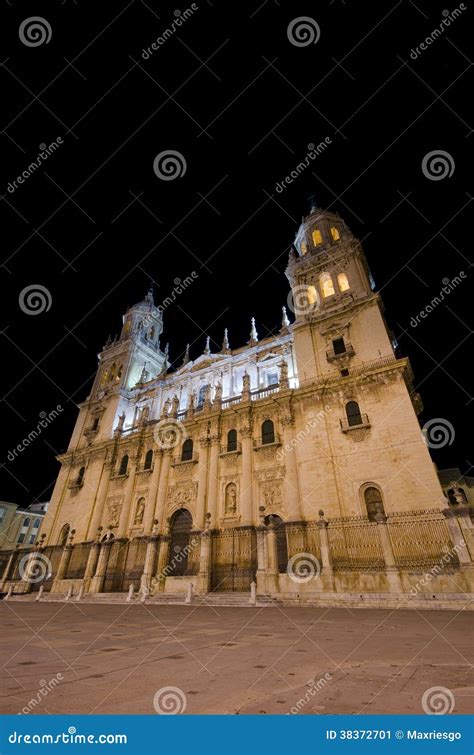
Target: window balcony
{"x": 266, "y": 441}
{"x": 224, "y": 450}
{"x": 178, "y": 461}
{"x": 355, "y": 423}
{"x": 331, "y": 355}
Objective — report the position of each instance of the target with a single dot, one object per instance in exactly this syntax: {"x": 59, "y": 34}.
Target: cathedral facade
{"x": 295, "y": 461}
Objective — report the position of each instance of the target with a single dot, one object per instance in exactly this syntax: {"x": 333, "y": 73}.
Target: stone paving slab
{"x": 114, "y": 658}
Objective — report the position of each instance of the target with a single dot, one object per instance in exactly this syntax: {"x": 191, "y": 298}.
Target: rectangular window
{"x": 272, "y": 378}
{"x": 21, "y": 537}
{"x": 339, "y": 346}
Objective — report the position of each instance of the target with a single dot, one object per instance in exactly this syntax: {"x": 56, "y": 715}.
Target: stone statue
{"x": 140, "y": 511}
{"x": 231, "y": 499}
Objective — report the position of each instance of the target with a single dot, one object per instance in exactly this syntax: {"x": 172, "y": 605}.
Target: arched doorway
{"x": 180, "y": 530}
{"x": 282, "y": 547}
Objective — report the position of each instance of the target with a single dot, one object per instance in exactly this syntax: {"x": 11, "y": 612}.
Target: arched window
{"x": 36, "y": 524}
{"x": 187, "y": 450}
{"x": 353, "y": 414}
{"x": 80, "y": 476}
{"x": 327, "y": 285}
{"x": 202, "y": 394}
{"x": 148, "y": 459}
{"x": 282, "y": 547}
{"x": 374, "y": 503}
{"x": 123, "y": 465}
{"x": 335, "y": 233}
{"x": 317, "y": 237}
{"x": 63, "y": 535}
{"x": 180, "y": 530}
{"x": 268, "y": 432}
{"x": 303, "y": 248}
{"x": 343, "y": 282}
{"x": 232, "y": 440}
{"x": 26, "y": 522}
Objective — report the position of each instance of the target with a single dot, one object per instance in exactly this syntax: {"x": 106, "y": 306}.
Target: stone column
{"x": 64, "y": 562}
{"x": 150, "y": 515}
{"x": 91, "y": 564}
{"x": 163, "y": 485}
{"x": 460, "y": 545}
{"x": 163, "y": 556}
{"x": 97, "y": 581}
{"x": 202, "y": 483}
{"x": 272, "y": 559}
{"x": 292, "y": 489}
{"x": 122, "y": 530}
{"x": 327, "y": 572}
{"x": 150, "y": 561}
{"x": 203, "y": 584}
{"x": 246, "y": 497}
{"x": 96, "y": 519}
{"x": 391, "y": 569}
{"x": 212, "y": 478}
{"x": 262, "y": 563}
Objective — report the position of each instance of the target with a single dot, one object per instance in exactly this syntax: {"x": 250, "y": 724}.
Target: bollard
{"x": 40, "y": 593}
{"x": 189, "y": 593}
{"x": 69, "y": 593}
{"x": 9, "y": 593}
{"x": 130, "y": 593}
{"x": 253, "y": 594}
{"x": 80, "y": 593}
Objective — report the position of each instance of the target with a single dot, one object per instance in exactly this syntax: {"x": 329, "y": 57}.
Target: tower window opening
{"x": 303, "y": 248}
{"x": 354, "y": 417}
{"x": 327, "y": 285}
{"x": 343, "y": 282}
{"x": 338, "y": 345}
{"x": 335, "y": 233}
{"x": 317, "y": 237}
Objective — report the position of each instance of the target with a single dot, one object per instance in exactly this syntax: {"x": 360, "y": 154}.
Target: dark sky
{"x": 233, "y": 94}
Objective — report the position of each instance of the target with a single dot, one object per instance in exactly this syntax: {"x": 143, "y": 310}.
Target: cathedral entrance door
{"x": 234, "y": 559}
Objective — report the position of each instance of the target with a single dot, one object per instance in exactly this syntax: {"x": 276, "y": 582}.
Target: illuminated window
{"x": 304, "y": 248}
{"x": 327, "y": 286}
{"x": 343, "y": 282}
{"x": 312, "y": 295}
{"x": 335, "y": 233}
{"x": 317, "y": 237}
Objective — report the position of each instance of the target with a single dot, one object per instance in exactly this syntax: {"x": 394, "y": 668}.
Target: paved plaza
{"x": 114, "y": 659}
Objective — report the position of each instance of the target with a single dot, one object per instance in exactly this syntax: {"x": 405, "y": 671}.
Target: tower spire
{"x": 207, "y": 350}
{"x": 225, "y": 343}
{"x": 186, "y": 357}
{"x": 253, "y": 332}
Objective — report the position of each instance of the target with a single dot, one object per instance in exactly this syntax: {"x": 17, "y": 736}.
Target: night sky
{"x": 240, "y": 101}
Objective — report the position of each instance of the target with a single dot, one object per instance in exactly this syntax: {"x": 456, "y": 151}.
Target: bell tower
{"x": 339, "y": 318}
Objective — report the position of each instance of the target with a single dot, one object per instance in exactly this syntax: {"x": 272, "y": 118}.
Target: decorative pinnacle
{"x": 207, "y": 350}
{"x": 186, "y": 358}
{"x": 253, "y": 331}
{"x": 225, "y": 342}
{"x": 149, "y": 297}
{"x": 284, "y": 320}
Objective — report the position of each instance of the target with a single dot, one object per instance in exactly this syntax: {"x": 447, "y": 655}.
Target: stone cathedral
{"x": 295, "y": 461}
